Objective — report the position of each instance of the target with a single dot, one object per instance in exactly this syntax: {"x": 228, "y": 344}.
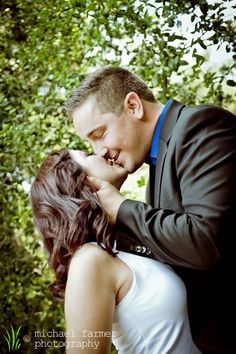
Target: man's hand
{"x": 109, "y": 196}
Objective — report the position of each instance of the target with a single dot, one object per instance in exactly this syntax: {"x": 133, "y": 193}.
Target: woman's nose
{"x": 103, "y": 152}
{"x": 81, "y": 153}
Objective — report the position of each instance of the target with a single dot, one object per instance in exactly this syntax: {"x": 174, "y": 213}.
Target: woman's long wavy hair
{"x": 67, "y": 214}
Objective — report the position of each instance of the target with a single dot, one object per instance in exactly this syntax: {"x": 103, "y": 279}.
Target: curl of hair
{"x": 67, "y": 214}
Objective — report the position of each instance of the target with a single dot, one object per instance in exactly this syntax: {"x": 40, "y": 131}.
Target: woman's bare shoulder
{"x": 90, "y": 258}
{"x": 91, "y": 268}
{"x": 91, "y": 253}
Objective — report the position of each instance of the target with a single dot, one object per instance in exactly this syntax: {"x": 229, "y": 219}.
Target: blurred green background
{"x": 183, "y": 49}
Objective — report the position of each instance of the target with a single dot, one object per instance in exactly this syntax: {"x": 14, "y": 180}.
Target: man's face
{"x": 121, "y": 139}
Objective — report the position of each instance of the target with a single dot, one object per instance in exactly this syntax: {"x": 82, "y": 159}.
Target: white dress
{"x": 152, "y": 318}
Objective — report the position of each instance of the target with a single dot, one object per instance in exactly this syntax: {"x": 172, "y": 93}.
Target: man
{"x": 189, "y": 219}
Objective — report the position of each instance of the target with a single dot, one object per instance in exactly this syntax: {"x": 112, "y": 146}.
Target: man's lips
{"x": 114, "y": 159}
{"x": 117, "y": 160}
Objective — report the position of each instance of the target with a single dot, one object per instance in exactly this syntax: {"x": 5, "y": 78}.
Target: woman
{"x": 136, "y": 302}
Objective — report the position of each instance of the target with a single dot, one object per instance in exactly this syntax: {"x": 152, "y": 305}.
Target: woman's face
{"x": 97, "y": 166}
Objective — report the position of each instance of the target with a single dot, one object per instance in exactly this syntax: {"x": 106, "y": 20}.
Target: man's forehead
{"x": 87, "y": 126}
{"x": 86, "y": 119}
{"x": 88, "y": 106}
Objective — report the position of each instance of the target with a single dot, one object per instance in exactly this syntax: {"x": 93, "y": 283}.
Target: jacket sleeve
{"x": 205, "y": 166}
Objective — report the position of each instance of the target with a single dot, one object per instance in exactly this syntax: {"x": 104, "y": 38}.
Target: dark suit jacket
{"x": 189, "y": 220}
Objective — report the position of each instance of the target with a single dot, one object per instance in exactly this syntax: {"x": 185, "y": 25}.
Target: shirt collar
{"x": 156, "y": 136}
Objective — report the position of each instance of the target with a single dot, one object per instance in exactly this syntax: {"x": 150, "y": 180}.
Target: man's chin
{"x": 133, "y": 169}
{"x": 124, "y": 168}
{"x": 128, "y": 169}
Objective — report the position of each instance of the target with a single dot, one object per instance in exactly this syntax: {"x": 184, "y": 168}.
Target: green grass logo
{"x": 12, "y": 339}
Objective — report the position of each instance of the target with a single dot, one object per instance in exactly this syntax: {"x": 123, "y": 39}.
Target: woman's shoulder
{"x": 90, "y": 252}
{"x": 90, "y": 259}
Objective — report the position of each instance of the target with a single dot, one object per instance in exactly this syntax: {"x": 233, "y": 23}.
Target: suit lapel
{"x": 151, "y": 186}
{"x": 170, "y": 119}
{"x": 162, "y": 148}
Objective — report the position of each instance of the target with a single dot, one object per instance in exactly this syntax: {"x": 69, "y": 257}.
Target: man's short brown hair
{"x": 109, "y": 86}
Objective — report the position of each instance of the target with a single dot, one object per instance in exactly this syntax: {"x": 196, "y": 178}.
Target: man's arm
{"x": 205, "y": 162}
{"x": 90, "y": 302}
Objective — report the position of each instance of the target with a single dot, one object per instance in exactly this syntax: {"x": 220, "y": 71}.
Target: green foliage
{"x": 47, "y": 48}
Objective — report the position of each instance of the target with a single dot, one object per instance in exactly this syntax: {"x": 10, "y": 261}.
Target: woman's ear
{"x": 133, "y": 105}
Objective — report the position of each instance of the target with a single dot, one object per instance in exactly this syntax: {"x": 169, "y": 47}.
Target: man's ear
{"x": 133, "y": 105}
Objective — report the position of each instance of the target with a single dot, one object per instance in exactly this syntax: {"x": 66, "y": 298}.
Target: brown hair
{"x": 109, "y": 86}
{"x": 66, "y": 213}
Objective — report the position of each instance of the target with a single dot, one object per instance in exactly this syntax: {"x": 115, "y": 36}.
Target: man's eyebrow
{"x": 89, "y": 134}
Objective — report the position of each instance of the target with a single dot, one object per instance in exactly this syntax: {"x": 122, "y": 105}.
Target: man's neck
{"x": 151, "y": 116}
{"x": 152, "y": 113}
